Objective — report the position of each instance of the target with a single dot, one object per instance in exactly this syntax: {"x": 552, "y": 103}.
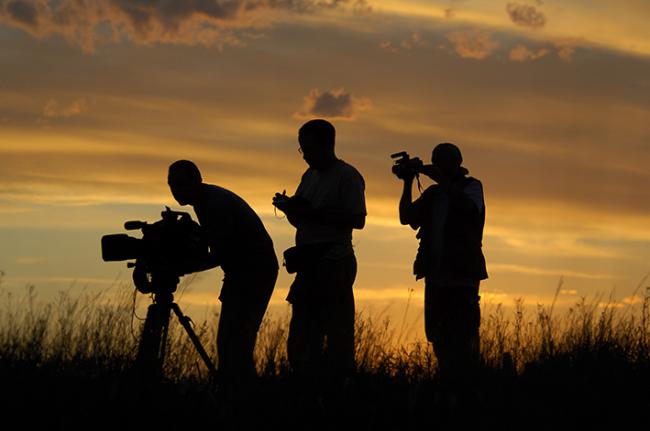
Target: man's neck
{"x": 199, "y": 195}
{"x": 328, "y": 163}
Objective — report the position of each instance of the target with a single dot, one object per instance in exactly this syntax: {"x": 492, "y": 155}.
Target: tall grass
{"x": 101, "y": 330}
{"x": 72, "y": 357}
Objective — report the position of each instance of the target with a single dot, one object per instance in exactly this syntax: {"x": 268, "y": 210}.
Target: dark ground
{"x": 603, "y": 391}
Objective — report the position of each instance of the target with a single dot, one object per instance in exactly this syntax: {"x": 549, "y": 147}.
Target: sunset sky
{"x": 549, "y": 101}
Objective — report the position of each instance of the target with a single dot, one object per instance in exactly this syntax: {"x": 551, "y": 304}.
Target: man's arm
{"x": 291, "y": 207}
{"x": 350, "y": 213}
{"x": 216, "y": 228}
{"x": 208, "y": 261}
{"x": 295, "y": 219}
{"x": 407, "y": 210}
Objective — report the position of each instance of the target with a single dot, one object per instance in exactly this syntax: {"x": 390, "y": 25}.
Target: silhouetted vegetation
{"x": 67, "y": 364}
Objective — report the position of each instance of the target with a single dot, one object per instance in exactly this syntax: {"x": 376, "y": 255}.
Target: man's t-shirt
{"x": 236, "y": 232}
{"x": 432, "y": 209}
{"x": 339, "y": 188}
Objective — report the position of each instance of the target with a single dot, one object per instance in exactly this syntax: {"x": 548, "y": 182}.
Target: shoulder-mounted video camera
{"x": 169, "y": 248}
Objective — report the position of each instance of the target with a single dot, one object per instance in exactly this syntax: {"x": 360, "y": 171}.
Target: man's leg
{"x": 239, "y": 322}
{"x": 435, "y": 317}
{"x": 234, "y": 338}
{"x": 304, "y": 345}
{"x": 452, "y": 319}
{"x": 466, "y": 325}
{"x": 338, "y": 317}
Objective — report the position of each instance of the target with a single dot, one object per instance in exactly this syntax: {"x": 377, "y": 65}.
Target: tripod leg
{"x": 185, "y": 321}
{"x": 151, "y": 350}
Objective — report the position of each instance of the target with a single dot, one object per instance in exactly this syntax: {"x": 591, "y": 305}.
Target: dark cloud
{"x": 191, "y": 22}
{"x": 450, "y": 11}
{"x": 332, "y": 104}
{"x": 22, "y": 11}
{"x": 526, "y": 15}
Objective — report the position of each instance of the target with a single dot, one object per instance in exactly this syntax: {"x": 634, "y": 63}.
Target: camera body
{"x": 405, "y": 166}
{"x": 169, "y": 248}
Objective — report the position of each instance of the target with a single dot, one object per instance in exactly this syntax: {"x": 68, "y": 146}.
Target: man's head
{"x": 447, "y": 158}
{"x": 316, "y": 138}
{"x": 185, "y": 181}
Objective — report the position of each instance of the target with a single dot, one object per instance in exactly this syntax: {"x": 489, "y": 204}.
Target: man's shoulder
{"x": 213, "y": 191}
{"x": 348, "y": 171}
{"x": 472, "y": 185}
{"x": 431, "y": 191}
{"x": 221, "y": 196}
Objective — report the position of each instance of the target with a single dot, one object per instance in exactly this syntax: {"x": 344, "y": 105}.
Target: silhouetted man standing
{"x": 450, "y": 216}
{"x": 327, "y": 205}
{"x": 240, "y": 244}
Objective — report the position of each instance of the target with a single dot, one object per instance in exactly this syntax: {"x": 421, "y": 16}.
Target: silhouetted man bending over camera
{"x": 239, "y": 244}
{"x": 327, "y": 205}
{"x": 450, "y": 216}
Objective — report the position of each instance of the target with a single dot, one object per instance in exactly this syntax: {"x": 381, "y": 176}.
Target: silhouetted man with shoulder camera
{"x": 450, "y": 216}
{"x": 241, "y": 246}
{"x": 328, "y": 204}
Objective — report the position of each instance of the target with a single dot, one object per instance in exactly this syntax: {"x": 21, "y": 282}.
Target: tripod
{"x": 153, "y": 340}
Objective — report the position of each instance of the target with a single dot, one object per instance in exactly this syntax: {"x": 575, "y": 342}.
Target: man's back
{"x": 451, "y": 230}
{"x": 235, "y": 231}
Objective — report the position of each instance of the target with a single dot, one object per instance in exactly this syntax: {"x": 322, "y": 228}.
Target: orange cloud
{"x": 566, "y": 49}
{"x": 474, "y": 43}
{"x": 414, "y": 40}
{"x": 335, "y": 104}
{"x": 53, "y": 109}
{"x": 388, "y": 46}
{"x": 522, "y": 54}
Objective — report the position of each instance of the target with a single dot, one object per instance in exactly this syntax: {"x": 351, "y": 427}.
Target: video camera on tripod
{"x": 169, "y": 248}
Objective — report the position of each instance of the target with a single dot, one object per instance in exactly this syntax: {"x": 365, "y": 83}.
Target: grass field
{"x": 67, "y": 364}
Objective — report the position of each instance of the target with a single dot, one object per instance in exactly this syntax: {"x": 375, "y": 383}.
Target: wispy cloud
{"x": 450, "y": 11}
{"x": 521, "y": 53}
{"x": 54, "y": 109}
{"x": 414, "y": 40}
{"x": 553, "y": 272}
{"x": 566, "y": 48}
{"x": 474, "y": 43}
{"x": 335, "y": 104}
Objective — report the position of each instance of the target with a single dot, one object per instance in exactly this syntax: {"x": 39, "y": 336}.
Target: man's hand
{"x": 407, "y": 176}
{"x": 281, "y": 201}
{"x": 291, "y": 204}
